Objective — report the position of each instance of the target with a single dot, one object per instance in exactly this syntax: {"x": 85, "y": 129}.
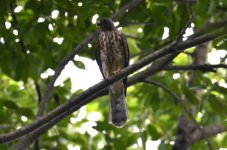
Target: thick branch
{"x": 209, "y": 131}
{"x": 187, "y": 133}
{"x": 209, "y": 27}
{"x": 87, "y": 96}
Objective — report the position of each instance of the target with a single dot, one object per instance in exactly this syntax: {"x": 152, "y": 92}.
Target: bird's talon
{"x": 116, "y": 72}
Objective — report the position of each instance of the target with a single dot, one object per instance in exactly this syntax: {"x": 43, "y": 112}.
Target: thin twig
{"x": 132, "y": 37}
{"x": 205, "y": 67}
{"x": 39, "y": 95}
{"x": 165, "y": 89}
{"x": 209, "y": 131}
{"x": 38, "y": 91}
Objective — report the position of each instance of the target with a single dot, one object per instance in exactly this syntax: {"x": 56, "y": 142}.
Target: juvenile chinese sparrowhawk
{"x": 112, "y": 55}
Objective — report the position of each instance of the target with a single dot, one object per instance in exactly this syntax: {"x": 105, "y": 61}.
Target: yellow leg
{"x": 116, "y": 72}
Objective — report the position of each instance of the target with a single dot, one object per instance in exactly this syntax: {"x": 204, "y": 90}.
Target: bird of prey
{"x": 112, "y": 55}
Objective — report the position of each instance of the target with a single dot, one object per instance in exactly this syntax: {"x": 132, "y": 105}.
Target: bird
{"x": 112, "y": 55}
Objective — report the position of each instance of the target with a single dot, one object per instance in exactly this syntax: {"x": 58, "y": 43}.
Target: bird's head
{"x": 106, "y": 24}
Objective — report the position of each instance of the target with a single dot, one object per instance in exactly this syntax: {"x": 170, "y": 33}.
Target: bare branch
{"x": 209, "y": 131}
{"x": 165, "y": 89}
{"x": 187, "y": 133}
{"x": 38, "y": 90}
{"x": 125, "y": 8}
{"x": 132, "y": 37}
{"x": 209, "y": 27}
{"x": 39, "y": 94}
{"x": 205, "y": 67}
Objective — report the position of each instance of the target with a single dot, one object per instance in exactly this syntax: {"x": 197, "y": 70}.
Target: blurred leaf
{"x": 218, "y": 105}
{"x": 154, "y": 132}
{"x": 144, "y": 138}
{"x": 9, "y": 104}
{"x": 26, "y": 112}
{"x": 190, "y": 95}
{"x": 216, "y": 87}
{"x": 79, "y": 64}
{"x": 182, "y": 59}
{"x": 162, "y": 145}
{"x": 103, "y": 126}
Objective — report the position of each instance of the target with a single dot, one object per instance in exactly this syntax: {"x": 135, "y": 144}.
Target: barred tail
{"x": 118, "y": 112}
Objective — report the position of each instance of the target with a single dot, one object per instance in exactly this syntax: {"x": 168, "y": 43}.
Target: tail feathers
{"x": 118, "y": 111}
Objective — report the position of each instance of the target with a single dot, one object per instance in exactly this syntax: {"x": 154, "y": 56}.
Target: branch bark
{"x": 209, "y": 131}
{"x": 188, "y": 134}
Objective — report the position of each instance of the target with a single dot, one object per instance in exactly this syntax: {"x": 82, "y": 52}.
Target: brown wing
{"x": 125, "y": 44}
{"x": 126, "y": 57}
{"x": 97, "y": 56}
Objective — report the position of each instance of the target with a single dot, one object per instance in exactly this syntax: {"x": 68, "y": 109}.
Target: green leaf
{"x": 26, "y": 112}
{"x": 154, "y": 131}
{"x": 190, "y": 95}
{"x": 103, "y": 126}
{"x": 132, "y": 139}
{"x": 162, "y": 145}
{"x": 216, "y": 87}
{"x": 218, "y": 105}
{"x": 182, "y": 59}
{"x": 79, "y": 64}
{"x": 4, "y": 117}
{"x": 144, "y": 138}
{"x": 9, "y": 104}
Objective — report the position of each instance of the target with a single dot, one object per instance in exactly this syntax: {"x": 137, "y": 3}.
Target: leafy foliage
{"x": 33, "y": 40}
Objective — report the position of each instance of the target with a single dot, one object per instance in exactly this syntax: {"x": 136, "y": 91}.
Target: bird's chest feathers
{"x": 111, "y": 49}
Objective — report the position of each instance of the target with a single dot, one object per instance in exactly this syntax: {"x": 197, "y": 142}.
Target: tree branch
{"x": 39, "y": 95}
{"x": 187, "y": 133}
{"x": 205, "y": 67}
{"x": 209, "y": 131}
{"x": 38, "y": 91}
{"x": 209, "y": 27}
{"x": 132, "y": 37}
